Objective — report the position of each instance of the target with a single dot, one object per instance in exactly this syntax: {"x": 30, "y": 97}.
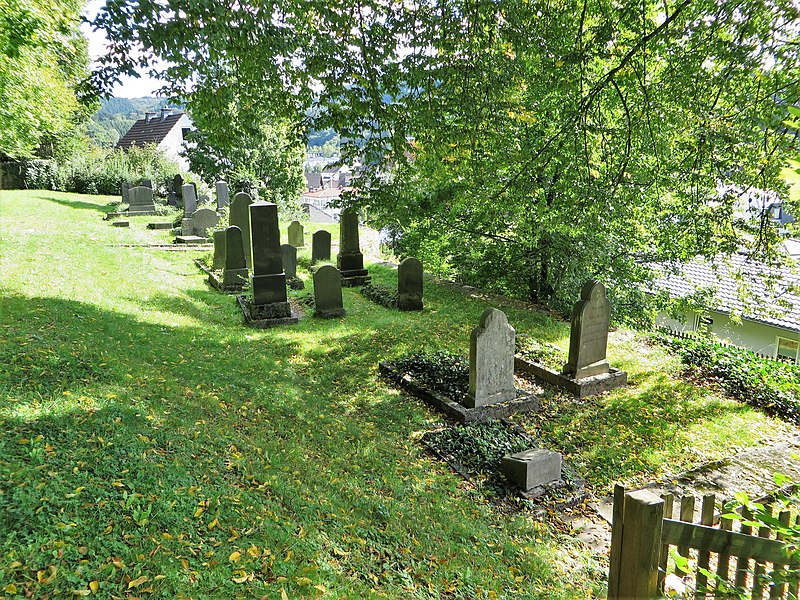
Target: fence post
{"x": 634, "y": 560}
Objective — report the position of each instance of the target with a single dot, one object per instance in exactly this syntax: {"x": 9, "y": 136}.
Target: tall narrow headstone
{"x": 491, "y": 361}
{"x": 235, "y": 273}
{"x": 240, "y": 217}
{"x": 320, "y": 246}
{"x": 126, "y": 186}
{"x": 174, "y": 190}
{"x": 268, "y": 280}
{"x": 350, "y": 260}
{"x": 289, "y": 258}
{"x": 223, "y": 194}
{"x": 409, "y": 284}
{"x": 328, "y": 292}
{"x": 296, "y": 237}
{"x": 219, "y": 250}
{"x": 588, "y": 336}
{"x": 189, "y": 200}
{"x": 140, "y": 200}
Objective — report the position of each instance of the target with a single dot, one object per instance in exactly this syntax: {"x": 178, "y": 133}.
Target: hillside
{"x": 116, "y": 115}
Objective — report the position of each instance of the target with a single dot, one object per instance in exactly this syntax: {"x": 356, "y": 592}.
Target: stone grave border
{"x": 215, "y": 282}
{"x": 582, "y": 388}
{"x": 244, "y": 304}
{"x": 524, "y": 402}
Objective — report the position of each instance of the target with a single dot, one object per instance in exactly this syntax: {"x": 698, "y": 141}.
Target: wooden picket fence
{"x": 643, "y": 531}
{"x": 684, "y": 335}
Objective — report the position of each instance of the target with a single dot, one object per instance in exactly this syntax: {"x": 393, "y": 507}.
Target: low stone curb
{"x": 267, "y": 323}
{"x": 582, "y": 388}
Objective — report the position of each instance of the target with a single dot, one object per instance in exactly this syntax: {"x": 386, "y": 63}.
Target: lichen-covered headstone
{"x": 223, "y": 194}
{"x": 491, "y": 361}
{"x": 189, "y": 200}
{"x": 204, "y": 219}
{"x": 409, "y": 284}
{"x": 140, "y": 200}
{"x": 268, "y": 280}
{"x": 320, "y": 246}
{"x": 588, "y": 336}
{"x": 235, "y": 273}
{"x": 328, "y": 292}
{"x": 296, "y": 236}
{"x": 240, "y": 217}
{"x": 219, "y": 250}
{"x": 289, "y": 258}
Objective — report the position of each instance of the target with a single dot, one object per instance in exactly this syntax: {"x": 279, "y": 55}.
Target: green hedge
{"x": 770, "y": 385}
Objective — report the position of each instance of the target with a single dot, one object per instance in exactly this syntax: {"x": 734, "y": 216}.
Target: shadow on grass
{"x": 78, "y": 204}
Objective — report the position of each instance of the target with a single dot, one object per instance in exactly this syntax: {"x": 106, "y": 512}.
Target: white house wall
{"x": 172, "y": 143}
{"x": 747, "y": 334}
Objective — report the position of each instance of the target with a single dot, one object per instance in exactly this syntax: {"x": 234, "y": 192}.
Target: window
{"x": 787, "y": 348}
{"x": 184, "y": 131}
{"x": 704, "y": 324}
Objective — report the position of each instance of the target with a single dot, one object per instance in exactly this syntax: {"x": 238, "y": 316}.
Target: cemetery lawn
{"x": 154, "y": 447}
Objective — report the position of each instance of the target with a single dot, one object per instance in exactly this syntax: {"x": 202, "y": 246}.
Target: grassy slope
{"x": 155, "y": 446}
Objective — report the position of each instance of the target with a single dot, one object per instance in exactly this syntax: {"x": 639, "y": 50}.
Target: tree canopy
{"x": 43, "y": 73}
{"x": 531, "y": 144}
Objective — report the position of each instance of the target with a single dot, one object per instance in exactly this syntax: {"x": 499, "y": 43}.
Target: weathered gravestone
{"x": 588, "y": 337}
{"x": 194, "y": 185}
{"x": 320, "y": 246}
{"x": 175, "y": 190}
{"x": 204, "y": 219}
{"x": 219, "y": 250}
{"x": 146, "y": 183}
{"x": 223, "y": 194}
{"x": 240, "y": 217}
{"x": 289, "y": 257}
{"x": 189, "y": 200}
{"x": 350, "y": 261}
{"x": 268, "y": 280}
{"x": 234, "y": 276}
{"x": 296, "y": 237}
{"x": 126, "y": 187}
{"x": 328, "y": 292}
{"x": 491, "y": 361}
{"x": 409, "y": 284}
{"x": 140, "y": 200}
{"x": 532, "y": 468}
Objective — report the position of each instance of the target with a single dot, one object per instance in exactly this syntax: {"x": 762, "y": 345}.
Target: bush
{"x": 770, "y": 385}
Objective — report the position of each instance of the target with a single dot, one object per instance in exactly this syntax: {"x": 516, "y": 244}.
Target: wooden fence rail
{"x": 688, "y": 335}
{"x": 643, "y": 531}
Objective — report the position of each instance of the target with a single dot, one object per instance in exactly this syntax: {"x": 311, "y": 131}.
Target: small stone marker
{"x": 235, "y": 272}
{"x": 189, "y": 200}
{"x": 491, "y": 361}
{"x": 240, "y": 217}
{"x": 409, "y": 284}
{"x": 204, "y": 219}
{"x": 295, "y": 233}
{"x": 328, "y": 292}
{"x": 160, "y": 225}
{"x": 532, "y": 468}
{"x": 588, "y": 337}
{"x": 268, "y": 280}
{"x": 320, "y": 246}
{"x": 223, "y": 194}
{"x": 350, "y": 259}
{"x": 140, "y": 200}
{"x": 121, "y": 224}
{"x": 289, "y": 259}
{"x": 219, "y": 250}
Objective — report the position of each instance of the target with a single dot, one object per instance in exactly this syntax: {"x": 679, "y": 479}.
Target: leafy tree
{"x": 43, "y": 73}
{"x": 532, "y": 144}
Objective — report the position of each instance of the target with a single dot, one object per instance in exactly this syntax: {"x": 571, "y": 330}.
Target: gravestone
{"x": 289, "y": 259}
{"x": 219, "y": 250}
{"x": 295, "y": 233}
{"x": 350, "y": 260}
{"x": 491, "y": 361}
{"x": 328, "y": 292}
{"x": 203, "y": 199}
{"x": 409, "y": 284}
{"x": 194, "y": 185}
{"x": 320, "y": 246}
{"x": 189, "y": 200}
{"x": 204, "y": 219}
{"x": 175, "y": 187}
{"x": 177, "y": 184}
{"x": 588, "y": 336}
{"x": 234, "y": 274}
{"x": 532, "y": 468}
{"x": 140, "y": 200}
{"x": 126, "y": 186}
{"x": 146, "y": 183}
{"x": 268, "y": 280}
{"x": 240, "y": 217}
{"x": 223, "y": 194}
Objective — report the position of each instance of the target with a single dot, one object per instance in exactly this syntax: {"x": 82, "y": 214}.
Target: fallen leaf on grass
{"x": 138, "y": 581}
{"x": 235, "y": 556}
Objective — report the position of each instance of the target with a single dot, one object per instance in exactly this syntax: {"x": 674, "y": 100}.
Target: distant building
{"x": 167, "y": 131}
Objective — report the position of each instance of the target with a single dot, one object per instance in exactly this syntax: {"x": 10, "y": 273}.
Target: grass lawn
{"x": 154, "y": 447}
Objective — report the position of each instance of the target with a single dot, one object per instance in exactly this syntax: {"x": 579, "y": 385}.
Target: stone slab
{"x": 121, "y": 224}
{"x": 356, "y": 280}
{"x": 159, "y": 225}
{"x": 532, "y": 468}
{"x": 582, "y": 388}
{"x": 191, "y": 239}
{"x": 266, "y": 323}
{"x": 524, "y": 402}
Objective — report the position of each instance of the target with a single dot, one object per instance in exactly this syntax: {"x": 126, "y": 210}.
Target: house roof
{"x": 153, "y": 132}
{"x": 772, "y": 296}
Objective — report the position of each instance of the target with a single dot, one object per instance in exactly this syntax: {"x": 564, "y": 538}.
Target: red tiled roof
{"x": 154, "y": 132}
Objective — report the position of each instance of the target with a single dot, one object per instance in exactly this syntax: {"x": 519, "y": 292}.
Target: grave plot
{"x": 408, "y": 295}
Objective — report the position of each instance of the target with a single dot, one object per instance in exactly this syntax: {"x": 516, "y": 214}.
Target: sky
{"x": 129, "y": 87}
